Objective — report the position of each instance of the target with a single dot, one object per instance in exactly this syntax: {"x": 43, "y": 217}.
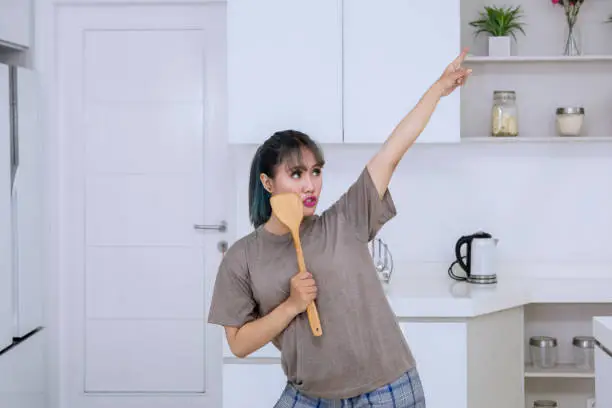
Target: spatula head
{"x": 288, "y": 208}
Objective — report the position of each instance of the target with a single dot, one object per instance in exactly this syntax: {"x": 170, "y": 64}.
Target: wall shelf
{"x": 551, "y": 58}
{"x": 560, "y": 371}
{"x": 532, "y": 139}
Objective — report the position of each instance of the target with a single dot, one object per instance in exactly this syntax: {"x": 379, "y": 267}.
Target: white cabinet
{"x": 603, "y": 377}
{"x": 440, "y": 351}
{"x": 252, "y": 385}
{"x": 15, "y": 23}
{"x": 284, "y": 69}
{"x": 342, "y": 71}
{"x": 28, "y": 205}
{"x": 473, "y": 363}
{"x": 6, "y": 273}
{"x": 394, "y": 50}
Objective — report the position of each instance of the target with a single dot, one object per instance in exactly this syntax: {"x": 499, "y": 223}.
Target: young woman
{"x": 362, "y": 359}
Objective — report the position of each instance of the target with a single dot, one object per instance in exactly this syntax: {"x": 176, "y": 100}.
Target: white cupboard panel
{"x": 440, "y": 350}
{"x": 16, "y": 23}
{"x": 6, "y": 252}
{"x": 167, "y": 67}
{"x": 29, "y": 189}
{"x": 394, "y": 50}
{"x": 284, "y": 68}
{"x": 145, "y": 356}
{"x": 144, "y": 138}
{"x": 603, "y": 378}
{"x": 252, "y": 385}
{"x": 142, "y": 210}
{"x": 145, "y": 282}
{"x": 23, "y": 374}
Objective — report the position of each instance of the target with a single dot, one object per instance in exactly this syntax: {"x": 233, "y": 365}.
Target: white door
{"x": 143, "y": 131}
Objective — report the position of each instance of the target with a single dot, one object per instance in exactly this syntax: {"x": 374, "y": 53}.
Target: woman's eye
{"x": 296, "y": 174}
{"x": 316, "y": 172}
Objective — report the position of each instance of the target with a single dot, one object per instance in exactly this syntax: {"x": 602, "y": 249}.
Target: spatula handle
{"x": 311, "y": 310}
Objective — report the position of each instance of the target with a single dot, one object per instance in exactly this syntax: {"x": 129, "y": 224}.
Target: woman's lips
{"x": 310, "y": 202}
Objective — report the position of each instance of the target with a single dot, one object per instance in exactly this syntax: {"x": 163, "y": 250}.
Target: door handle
{"x": 222, "y": 227}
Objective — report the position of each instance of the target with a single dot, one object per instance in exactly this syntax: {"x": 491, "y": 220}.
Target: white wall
{"x": 550, "y": 204}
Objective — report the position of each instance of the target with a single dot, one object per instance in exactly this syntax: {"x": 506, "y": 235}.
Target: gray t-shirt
{"x": 362, "y": 347}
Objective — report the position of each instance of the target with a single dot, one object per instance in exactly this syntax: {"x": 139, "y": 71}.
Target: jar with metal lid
{"x": 570, "y": 120}
{"x": 543, "y": 351}
{"x": 584, "y": 352}
{"x": 504, "y": 115}
{"x": 545, "y": 403}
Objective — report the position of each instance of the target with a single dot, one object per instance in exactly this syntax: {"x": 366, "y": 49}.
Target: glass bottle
{"x": 504, "y": 115}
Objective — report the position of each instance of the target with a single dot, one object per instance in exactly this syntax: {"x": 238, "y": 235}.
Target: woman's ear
{"x": 266, "y": 182}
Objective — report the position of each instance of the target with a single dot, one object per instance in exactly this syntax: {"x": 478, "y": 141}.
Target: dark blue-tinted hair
{"x": 281, "y": 147}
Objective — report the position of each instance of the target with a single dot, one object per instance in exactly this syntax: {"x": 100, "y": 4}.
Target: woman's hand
{"x": 303, "y": 291}
{"x": 454, "y": 75}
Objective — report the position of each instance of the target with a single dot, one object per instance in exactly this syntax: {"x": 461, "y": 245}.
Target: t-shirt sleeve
{"x": 232, "y": 301}
{"x": 363, "y": 208}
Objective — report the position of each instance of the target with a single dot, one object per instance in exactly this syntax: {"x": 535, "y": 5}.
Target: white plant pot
{"x": 499, "y": 46}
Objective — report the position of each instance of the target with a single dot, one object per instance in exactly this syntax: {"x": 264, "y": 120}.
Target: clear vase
{"x": 572, "y": 45}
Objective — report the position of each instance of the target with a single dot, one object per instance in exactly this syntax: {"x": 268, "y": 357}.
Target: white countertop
{"x": 440, "y": 296}
{"x": 602, "y": 330}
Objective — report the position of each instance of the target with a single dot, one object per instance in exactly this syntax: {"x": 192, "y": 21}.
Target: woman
{"x": 362, "y": 359}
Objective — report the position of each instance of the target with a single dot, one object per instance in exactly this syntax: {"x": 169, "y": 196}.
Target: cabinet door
{"x": 252, "y": 385}
{"x": 29, "y": 206}
{"x": 284, "y": 69}
{"x": 440, "y": 350}
{"x": 6, "y": 253}
{"x": 603, "y": 377}
{"x": 15, "y": 23}
{"x": 394, "y": 50}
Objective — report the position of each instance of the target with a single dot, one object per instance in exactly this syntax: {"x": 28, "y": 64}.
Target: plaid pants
{"x": 405, "y": 392}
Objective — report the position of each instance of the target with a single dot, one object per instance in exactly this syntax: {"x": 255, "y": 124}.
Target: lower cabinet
{"x": 475, "y": 363}
{"x": 253, "y": 385}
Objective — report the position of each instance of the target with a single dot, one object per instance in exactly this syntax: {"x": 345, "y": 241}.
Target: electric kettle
{"x": 479, "y": 261}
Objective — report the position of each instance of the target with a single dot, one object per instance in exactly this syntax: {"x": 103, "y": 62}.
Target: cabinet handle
{"x": 222, "y": 227}
{"x": 603, "y": 348}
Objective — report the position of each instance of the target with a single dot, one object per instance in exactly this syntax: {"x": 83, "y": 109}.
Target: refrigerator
{"x": 21, "y": 241}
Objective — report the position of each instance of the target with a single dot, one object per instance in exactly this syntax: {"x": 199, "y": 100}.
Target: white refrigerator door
{"x": 603, "y": 377}
{"x": 6, "y": 254}
{"x": 28, "y": 210}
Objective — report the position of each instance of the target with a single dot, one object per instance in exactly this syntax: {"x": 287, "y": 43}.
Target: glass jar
{"x": 504, "y": 115}
{"x": 584, "y": 352}
{"x": 545, "y": 403}
{"x": 543, "y": 351}
{"x": 569, "y": 121}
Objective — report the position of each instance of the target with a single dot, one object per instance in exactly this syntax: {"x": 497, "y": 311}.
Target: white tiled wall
{"x": 550, "y": 204}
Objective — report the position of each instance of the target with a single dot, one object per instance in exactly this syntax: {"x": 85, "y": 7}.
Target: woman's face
{"x": 304, "y": 179}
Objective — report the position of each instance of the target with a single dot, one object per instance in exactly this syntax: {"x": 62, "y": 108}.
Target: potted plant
{"x": 500, "y": 23}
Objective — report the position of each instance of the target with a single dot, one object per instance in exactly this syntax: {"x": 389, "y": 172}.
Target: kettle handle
{"x": 464, "y": 240}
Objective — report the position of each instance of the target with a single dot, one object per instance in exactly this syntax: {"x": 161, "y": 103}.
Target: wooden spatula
{"x": 288, "y": 208}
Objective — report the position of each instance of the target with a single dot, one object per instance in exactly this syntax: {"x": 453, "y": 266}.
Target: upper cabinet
{"x": 284, "y": 69}
{"x": 394, "y": 50}
{"x": 15, "y": 23}
{"x": 342, "y": 71}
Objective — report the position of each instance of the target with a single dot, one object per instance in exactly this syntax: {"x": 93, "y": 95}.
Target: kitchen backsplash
{"x": 549, "y": 204}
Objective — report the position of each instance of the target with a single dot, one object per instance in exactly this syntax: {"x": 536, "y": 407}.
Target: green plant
{"x": 499, "y": 21}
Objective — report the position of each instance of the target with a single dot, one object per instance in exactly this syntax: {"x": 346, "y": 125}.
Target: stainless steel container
{"x": 543, "y": 351}
{"x": 584, "y": 352}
